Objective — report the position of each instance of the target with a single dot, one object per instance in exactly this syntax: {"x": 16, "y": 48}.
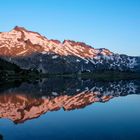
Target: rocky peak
{"x": 22, "y": 42}
{"x": 20, "y": 37}
{"x": 18, "y": 28}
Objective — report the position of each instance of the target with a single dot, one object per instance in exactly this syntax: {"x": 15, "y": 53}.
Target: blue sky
{"x": 112, "y": 24}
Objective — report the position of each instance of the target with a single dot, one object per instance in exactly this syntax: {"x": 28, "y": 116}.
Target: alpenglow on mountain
{"x": 30, "y": 50}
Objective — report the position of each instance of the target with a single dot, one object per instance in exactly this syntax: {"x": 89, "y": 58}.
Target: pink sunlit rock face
{"x": 21, "y": 42}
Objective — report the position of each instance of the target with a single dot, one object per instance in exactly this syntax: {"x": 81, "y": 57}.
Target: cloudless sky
{"x": 112, "y": 24}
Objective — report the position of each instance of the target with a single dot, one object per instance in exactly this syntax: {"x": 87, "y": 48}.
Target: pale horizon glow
{"x": 111, "y": 24}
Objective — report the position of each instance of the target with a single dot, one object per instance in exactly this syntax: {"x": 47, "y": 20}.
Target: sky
{"x": 111, "y": 24}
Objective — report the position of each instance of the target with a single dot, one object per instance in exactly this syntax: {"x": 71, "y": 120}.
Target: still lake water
{"x": 70, "y": 109}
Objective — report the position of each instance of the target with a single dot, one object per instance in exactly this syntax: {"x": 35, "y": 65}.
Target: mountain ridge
{"x": 22, "y": 36}
{"x": 31, "y": 50}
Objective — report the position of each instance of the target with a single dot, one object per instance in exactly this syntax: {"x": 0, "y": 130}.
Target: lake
{"x": 70, "y": 109}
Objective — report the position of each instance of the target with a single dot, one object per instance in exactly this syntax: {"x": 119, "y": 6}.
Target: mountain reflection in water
{"x": 32, "y": 99}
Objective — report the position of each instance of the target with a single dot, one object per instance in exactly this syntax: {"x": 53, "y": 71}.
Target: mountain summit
{"x": 21, "y": 42}
{"x": 30, "y": 50}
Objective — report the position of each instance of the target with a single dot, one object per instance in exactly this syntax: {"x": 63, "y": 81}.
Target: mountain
{"x": 30, "y": 50}
{"x": 20, "y": 104}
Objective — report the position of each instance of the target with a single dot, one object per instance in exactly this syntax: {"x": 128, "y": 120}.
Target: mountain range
{"x": 31, "y": 50}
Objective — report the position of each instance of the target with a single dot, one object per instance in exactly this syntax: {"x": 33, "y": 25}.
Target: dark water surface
{"x": 70, "y": 109}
